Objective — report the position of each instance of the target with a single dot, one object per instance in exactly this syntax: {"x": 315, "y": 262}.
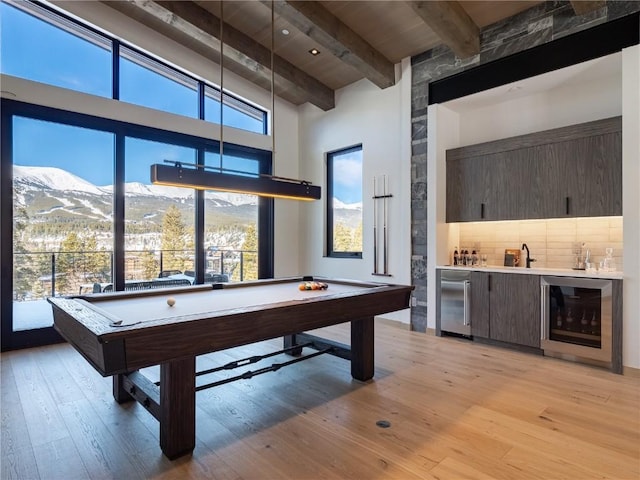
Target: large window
{"x": 42, "y": 45}
{"x": 236, "y": 113}
{"x": 344, "y": 202}
{"x": 159, "y": 220}
{"x": 79, "y": 214}
{"x": 145, "y": 82}
{"x": 62, "y": 214}
{"x": 231, "y": 224}
{"x": 68, "y": 237}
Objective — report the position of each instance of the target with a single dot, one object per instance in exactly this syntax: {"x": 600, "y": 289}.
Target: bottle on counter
{"x": 474, "y": 258}
{"x": 455, "y": 256}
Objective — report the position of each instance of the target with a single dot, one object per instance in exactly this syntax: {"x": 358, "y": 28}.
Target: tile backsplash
{"x": 552, "y": 242}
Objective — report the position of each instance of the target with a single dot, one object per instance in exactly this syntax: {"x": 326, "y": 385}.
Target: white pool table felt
{"x": 132, "y": 311}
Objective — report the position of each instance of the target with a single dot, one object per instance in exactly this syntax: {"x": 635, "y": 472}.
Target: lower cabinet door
{"x": 480, "y": 304}
{"x": 515, "y": 308}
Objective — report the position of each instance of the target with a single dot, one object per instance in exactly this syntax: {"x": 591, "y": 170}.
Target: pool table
{"x": 121, "y": 332}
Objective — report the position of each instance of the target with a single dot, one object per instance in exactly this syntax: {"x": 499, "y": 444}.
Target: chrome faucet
{"x": 529, "y": 259}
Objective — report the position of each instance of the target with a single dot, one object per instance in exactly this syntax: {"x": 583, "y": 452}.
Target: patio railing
{"x": 37, "y": 275}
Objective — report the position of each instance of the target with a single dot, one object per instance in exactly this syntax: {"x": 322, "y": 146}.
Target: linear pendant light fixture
{"x": 203, "y": 177}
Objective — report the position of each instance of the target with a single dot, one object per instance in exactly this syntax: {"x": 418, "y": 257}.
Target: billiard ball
{"x": 313, "y": 286}
{"x": 171, "y": 301}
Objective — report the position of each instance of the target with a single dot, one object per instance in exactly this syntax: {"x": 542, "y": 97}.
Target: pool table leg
{"x": 362, "y": 352}
{"x": 120, "y": 394}
{"x": 178, "y": 407}
{"x": 288, "y": 342}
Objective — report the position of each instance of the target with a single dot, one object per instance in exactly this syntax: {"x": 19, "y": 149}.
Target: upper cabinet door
{"x": 572, "y": 171}
{"x": 465, "y": 189}
{"x": 592, "y": 176}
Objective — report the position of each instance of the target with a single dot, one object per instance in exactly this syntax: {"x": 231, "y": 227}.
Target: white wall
{"x": 380, "y": 121}
{"x": 570, "y": 103}
{"x": 631, "y": 204}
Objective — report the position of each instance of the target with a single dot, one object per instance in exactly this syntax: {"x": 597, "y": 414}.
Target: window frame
{"x": 9, "y": 108}
{"x": 330, "y": 156}
{"x": 60, "y": 19}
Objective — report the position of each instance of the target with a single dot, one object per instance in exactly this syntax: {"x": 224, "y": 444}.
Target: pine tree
{"x": 150, "y": 265}
{"x": 342, "y": 238}
{"x": 97, "y": 262}
{"x": 67, "y": 266}
{"x": 250, "y": 254}
{"x": 174, "y": 240}
{"x": 23, "y": 271}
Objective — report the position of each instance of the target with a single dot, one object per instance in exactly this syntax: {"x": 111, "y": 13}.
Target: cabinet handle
{"x": 482, "y": 210}
{"x": 566, "y": 205}
{"x": 544, "y": 312}
{"x": 467, "y": 313}
{"x": 489, "y": 282}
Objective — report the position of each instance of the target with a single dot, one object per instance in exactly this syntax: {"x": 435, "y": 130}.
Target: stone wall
{"x": 540, "y": 24}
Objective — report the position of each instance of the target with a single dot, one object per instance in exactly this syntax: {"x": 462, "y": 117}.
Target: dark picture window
{"x": 344, "y": 202}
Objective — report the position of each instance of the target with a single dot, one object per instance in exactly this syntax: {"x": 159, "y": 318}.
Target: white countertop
{"x": 561, "y": 272}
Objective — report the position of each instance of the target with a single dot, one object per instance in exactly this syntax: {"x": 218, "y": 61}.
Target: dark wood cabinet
{"x": 464, "y": 175}
{"x": 480, "y": 310}
{"x": 573, "y": 171}
{"x": 590, "y": 182}
{"x": 506, "y": 307}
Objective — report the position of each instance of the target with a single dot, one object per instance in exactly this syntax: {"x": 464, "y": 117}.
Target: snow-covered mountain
{"x": 46, "y": 179}
{"x": 51, "y": 178}
{"x": 338, "y": 205}
{"x": 60, "y": 200}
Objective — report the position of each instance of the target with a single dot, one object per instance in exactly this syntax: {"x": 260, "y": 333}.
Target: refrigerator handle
{"x": 467, "y": 297}
{"x": 544, "y": 312}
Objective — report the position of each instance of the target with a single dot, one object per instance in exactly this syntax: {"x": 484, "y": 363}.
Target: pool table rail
{"x": 119, "y": 349}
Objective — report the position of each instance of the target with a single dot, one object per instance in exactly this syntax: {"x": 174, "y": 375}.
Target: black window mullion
{"x": 201, "y": 89}
{"x": 200, "y": 260}
{"x": 115, "y": 70}
{"x": 6, "y": 227}
{"x": 119, "y": 211}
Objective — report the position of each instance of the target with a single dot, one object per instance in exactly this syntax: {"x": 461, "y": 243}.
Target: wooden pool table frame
{"x": 174, "y": 343}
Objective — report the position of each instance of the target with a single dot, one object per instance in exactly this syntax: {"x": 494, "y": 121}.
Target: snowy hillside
{"x": 43, "y": 179}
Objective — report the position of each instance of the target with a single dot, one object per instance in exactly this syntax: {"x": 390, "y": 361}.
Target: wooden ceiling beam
{"x": 452, "y": 24}
{"x": 580, "y": 7}
{"x": 241, "y": 53}
{"x": 319, "y": 24}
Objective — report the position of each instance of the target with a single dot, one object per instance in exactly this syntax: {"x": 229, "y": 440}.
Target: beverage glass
{"x": 483, "y": 260}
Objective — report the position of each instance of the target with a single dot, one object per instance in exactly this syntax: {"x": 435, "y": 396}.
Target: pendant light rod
{"x": 221, "y": 81}
{"x": 273, "y": 89}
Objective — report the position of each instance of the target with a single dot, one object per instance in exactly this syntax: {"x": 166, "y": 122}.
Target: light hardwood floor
{"x": 456, "y": 409}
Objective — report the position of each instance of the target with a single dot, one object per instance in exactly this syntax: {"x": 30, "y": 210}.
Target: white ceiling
{"x": 603, "y": 69}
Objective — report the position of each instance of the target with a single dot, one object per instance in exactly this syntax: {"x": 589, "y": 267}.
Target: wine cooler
{"x": 577, "y": 318}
